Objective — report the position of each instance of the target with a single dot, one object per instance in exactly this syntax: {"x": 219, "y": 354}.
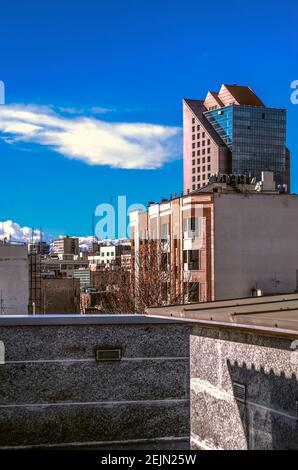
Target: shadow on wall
{"x": 267, "y": 406}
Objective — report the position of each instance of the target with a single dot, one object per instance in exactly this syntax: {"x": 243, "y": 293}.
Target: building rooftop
{"x": 93, "y": 319}
{"x": 273, "y": 314}
{"x": 243, "y": 95}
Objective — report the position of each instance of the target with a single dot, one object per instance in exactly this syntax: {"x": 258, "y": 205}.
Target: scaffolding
{"x": 35, "y": 306}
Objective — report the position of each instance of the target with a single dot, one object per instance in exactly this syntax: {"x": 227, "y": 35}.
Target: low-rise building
{"x": 60, "y": 295}
{"x": 62, "y": 265}
{"x": 110, "y": 256}
{"x": 14, "y": 279}
{"x": 66, "y": 245}
{"x": 38, "y": 248}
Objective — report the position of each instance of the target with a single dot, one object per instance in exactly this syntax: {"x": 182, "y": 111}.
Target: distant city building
{"x": 66, "y": 245}
{"x": 232, "y": 132}
{"x": 62, "y": 265}
{"x": 94, "y": 247}
{"x": 222, "y": 242}
{"x": 83, "y": 274}
{"x": 109, "y": 256}
{"x": 126, "y": 261}
{"x": 14, "y": 279}
{"x": 60, "y": 295}
{"x": 38, "y": 248}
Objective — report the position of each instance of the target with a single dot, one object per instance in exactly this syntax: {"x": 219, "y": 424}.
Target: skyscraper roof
{"x": 240, "y": 94}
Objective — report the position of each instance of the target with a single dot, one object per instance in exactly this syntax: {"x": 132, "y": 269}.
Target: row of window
{"x": 199, "y": 169}
{"x": 198, "y": 143}
{"x": 199, "y": 160}
{"x": 204, "y": 177}
{"x": 203, "y": 152}
{"x": 198, "y": 136}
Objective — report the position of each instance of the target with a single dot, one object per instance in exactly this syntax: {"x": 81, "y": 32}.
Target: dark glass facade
{"x": 255, "y": 135}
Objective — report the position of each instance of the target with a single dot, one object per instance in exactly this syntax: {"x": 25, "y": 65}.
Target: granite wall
{"x": 267, "y": 417}
{"x": 54, "y": 393}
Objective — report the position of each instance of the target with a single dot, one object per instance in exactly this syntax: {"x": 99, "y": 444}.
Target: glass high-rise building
{"x": 233, "y": 132}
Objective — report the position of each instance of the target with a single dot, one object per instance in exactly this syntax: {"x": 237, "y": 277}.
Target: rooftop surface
{"x": 93, "y": 319}
{"x": 274, "y": 314}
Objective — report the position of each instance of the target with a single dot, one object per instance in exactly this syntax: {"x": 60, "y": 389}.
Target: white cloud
{"x": 93, "y": 141}
{"x": 14, "y": 232}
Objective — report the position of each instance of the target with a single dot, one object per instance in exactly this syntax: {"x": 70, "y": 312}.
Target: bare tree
{"x": 151, "y": 281}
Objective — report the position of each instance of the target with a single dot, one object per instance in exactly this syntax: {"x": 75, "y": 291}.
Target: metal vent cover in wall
{"x": 108, "y": 354}
{"x": 239, "y": 391}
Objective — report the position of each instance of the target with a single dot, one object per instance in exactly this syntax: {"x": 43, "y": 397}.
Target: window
{"x": 165, "y": 261}
{"x": 198, "y": 127}
{"x": 203, "y": 134}
{"x": 204, "y": 160}
{"x": 193, "y": 120}
{"x": 191, "y": 260}
{"x": 198, "y": 135}
{"x": 193, "y": 162}
{"x": 199, "y": 143}
{"x": 203, "y": 152}
{"x": 208, "y": 150}
{"x": 198, "y": 161}
{"x": 194, "y": 128}
{"x": 199, "y": 178}
{"x": 164, "y": 291}
{"x": 209, "y": 167}
{"x": 192, "y": 291}
{"x": 193, "y": 170}
{"x": 198, "y": 153}
{"x": 193, "y": 146}
{"x": 193, "y": 179}
{"x": 165, "y": 231}
{"x": 198, "y": 186}
{"x": 193, "y": 137}
{"x": 198, "y": 169}
{"x": 203, "y": 143}
{"x": 193, "y": 187}
{"x": 208, "y": 142}
{"x": 203, "y": 169}
{"x": 193, "y": 153}
{"x": 208, "y": 159}
{"x": 191, "y": 227}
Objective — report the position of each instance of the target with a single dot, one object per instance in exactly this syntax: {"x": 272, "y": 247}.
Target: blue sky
{"x": 124, "y": 64}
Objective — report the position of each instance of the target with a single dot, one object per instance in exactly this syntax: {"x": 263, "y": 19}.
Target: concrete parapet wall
{"x": 55, "y": 394}
{"x": 267, "y": 418}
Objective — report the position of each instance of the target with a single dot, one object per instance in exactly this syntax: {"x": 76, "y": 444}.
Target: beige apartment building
{"x": 231, "y": 239}
{"x": 66, "y": 245}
